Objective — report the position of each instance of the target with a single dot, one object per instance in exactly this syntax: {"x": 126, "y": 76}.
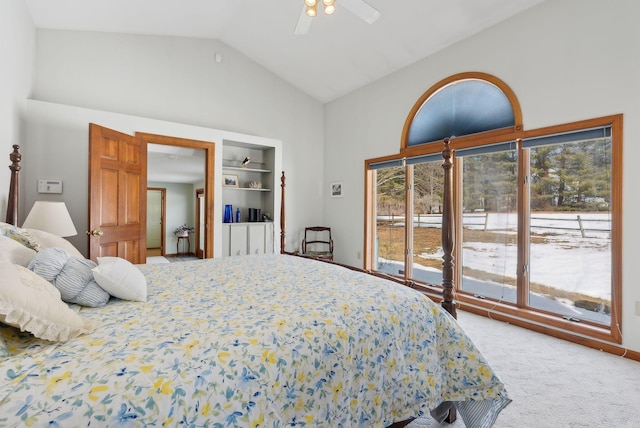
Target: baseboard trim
{"x": 560, "y": 334}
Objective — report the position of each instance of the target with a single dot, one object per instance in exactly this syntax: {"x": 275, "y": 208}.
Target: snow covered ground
{"x": 566, "y": 261}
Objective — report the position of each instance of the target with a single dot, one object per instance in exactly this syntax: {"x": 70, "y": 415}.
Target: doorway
{"x": 204, "y": 241}
{"x": 119, "y": 230}
{"x": 156, "y": 209}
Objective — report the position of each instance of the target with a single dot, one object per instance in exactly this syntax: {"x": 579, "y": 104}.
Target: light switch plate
{"x": 49, "y": 186}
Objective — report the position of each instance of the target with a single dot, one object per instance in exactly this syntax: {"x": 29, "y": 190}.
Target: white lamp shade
{"x": 52, "y": 217}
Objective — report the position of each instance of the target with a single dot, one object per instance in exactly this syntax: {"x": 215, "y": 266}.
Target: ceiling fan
{"x": 360, "y": 8}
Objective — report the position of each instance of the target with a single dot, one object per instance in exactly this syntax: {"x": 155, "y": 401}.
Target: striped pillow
{"x": 71, "y": 275}
{"x": 4, "y": 350}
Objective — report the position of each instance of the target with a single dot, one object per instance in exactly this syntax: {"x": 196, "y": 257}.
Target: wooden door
{"x": 117, "y": 196}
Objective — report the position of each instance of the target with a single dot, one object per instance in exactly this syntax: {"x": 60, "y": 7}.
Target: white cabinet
{"x": 239, "y": 239}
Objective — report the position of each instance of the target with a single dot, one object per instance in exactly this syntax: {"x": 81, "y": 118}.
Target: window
{"x": 489, "y": 222}
{"x": 570, "y": 214}
{"x": 390, "y": 220}
{"x": 426, "y": 234}
{"x": 537, "y": 217}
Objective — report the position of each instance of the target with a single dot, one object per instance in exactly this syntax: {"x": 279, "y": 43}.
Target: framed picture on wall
{"x": 230, "y": 180}
{"x": 336, "y": 189}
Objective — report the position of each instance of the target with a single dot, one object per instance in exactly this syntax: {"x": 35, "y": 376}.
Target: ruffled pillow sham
{"x": 13, "y": 252}
{"x": 30, "y": 303}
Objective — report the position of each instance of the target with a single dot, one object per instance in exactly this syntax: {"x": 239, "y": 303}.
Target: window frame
{"x": 519, "y": 313}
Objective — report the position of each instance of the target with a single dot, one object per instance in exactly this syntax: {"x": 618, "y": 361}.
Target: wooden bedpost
{"x": 448, "y": 293}
{"x": 448, "y": 231}
{"x": 12, "y": 203}
{"x": 282, "y": 214}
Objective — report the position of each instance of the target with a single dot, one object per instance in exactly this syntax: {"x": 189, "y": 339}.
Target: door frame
{"x": 199, "y": 251}
{"x": 209, "y": 148}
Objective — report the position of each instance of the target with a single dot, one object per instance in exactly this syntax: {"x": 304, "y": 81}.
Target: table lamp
{"x": 52, "y": 217}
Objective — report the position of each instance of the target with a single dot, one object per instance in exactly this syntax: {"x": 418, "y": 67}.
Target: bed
{"x": 271, "y": 340}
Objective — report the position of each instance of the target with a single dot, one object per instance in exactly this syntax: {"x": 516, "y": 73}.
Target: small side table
{"x": 183, "y": 239}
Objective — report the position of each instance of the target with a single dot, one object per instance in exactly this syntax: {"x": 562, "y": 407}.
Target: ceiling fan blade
{"x": 304, "y": 22}
{"x": 362, "y": 9}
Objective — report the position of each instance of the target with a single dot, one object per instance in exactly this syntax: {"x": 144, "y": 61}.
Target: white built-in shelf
{"x": 236, "y": 168}
{"x": 246, "y": 188}
{"x": 236, "y": 165}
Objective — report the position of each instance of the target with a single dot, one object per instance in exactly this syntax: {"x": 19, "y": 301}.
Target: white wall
{"x": 180, "y": 209}
{"x": 566, "y": 60}
{"x": 17, "y": 53}
{"x": 177, "y": 80}
{"x": 56, "y": 148}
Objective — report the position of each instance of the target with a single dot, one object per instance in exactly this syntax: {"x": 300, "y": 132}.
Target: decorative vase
{"x": 228, "y": 213}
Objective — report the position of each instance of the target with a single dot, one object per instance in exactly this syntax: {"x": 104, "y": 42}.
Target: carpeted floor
{"x": 154, "y": 260}
{"x": 553, "y": 383}
{"x": 169, "y": 259}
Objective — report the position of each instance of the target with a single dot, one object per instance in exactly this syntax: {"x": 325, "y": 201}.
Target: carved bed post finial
{"x": 448, "y": 293}
{"x": 282, "y": 213}
{"x": 12, "y": 204}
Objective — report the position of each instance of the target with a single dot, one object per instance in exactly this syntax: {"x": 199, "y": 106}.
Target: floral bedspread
{"x": 268, "y": 341}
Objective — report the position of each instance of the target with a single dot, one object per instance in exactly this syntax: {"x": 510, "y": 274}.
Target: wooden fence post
{"x": 580, "y": 225}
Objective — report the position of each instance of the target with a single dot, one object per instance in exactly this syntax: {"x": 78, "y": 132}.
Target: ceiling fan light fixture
{"x": 329, "y": 8}
{"x": 311, "y": 11}
{"x": 310, "y": 3}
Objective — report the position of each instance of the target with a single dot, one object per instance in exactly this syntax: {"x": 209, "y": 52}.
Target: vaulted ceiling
{"x": 339, "y": 53}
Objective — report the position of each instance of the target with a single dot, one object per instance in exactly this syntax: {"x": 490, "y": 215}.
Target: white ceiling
{"x": 339, "y": 54}
{"x": 174, "y": 164}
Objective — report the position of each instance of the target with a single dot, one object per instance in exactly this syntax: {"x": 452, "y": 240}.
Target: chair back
{"x": 318, "y": 242}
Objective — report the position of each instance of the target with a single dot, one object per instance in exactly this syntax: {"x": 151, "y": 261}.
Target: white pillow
{"x": 14, "y": 252}
{"x": 120, "y": 278}
{"x": 30, "y": 303}
{"x": 49, "y": 240}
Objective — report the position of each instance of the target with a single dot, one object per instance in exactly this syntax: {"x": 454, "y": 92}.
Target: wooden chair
{"x": 312, "y": 242}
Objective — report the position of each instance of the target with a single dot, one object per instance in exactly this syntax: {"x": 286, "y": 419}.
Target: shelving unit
{"x": 249, "y": 237}
{"x": 244, "y": 171}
